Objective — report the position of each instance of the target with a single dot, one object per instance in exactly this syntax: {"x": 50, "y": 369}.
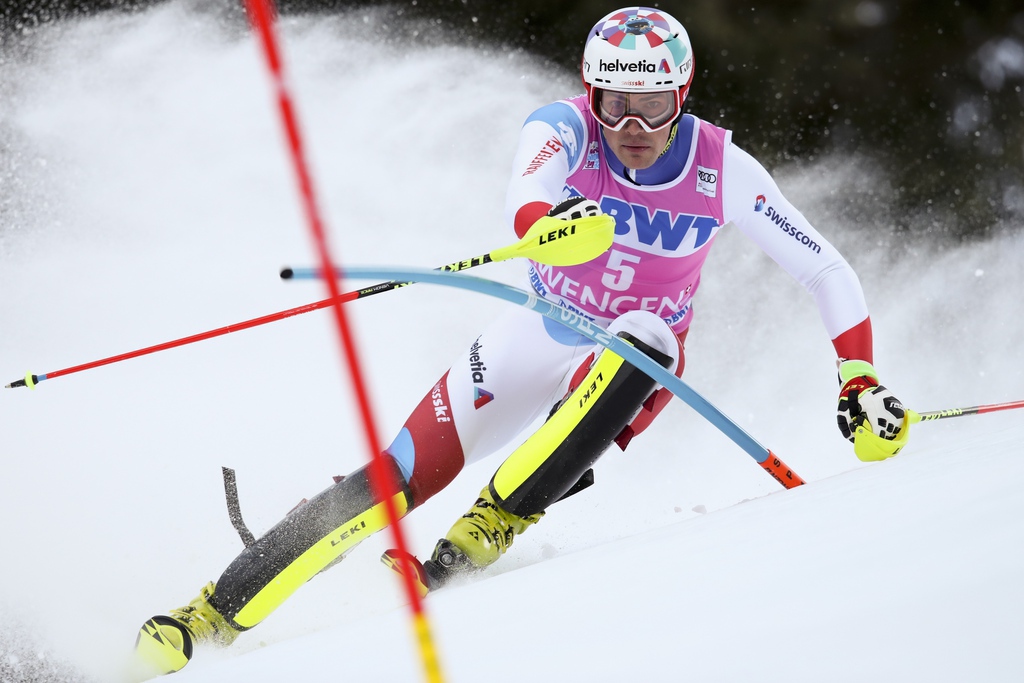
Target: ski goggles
{"x": 652, "y": 110}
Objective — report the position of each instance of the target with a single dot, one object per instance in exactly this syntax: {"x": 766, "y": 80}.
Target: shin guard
{"x": 307, "y": 541}
{"x": 557, "y": 455}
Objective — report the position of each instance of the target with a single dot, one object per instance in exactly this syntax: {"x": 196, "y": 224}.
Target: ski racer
{"x": 671, "y": 181}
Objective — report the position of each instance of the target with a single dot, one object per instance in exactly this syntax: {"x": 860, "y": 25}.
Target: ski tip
{"x": 287, "y": 273}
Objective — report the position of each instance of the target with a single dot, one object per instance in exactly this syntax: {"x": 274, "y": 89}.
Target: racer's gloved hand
{"x": 575, "y": 208}
{"x": 869, "y": 415}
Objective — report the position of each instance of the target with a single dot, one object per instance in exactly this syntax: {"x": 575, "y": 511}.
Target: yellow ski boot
{"x": 483, "y": 534}
{"x": 164, "y": 644}
{"x": 476, "y": 540}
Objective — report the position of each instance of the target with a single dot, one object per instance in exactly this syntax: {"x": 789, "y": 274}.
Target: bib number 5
{"x": 622, "y": 274}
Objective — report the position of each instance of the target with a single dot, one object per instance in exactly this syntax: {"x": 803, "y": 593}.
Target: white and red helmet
{"x": 638, "y": 50}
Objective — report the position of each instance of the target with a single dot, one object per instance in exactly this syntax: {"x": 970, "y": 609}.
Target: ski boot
{"x": 164, "y": 644}
{"x": 475, "y": 541}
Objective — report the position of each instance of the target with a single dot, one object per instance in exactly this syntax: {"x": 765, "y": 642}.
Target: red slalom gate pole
{"x": 261, "y": 15}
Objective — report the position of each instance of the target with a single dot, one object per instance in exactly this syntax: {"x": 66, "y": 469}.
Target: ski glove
{"x": 869, "y": 415}
{"x": 575, "y": 208}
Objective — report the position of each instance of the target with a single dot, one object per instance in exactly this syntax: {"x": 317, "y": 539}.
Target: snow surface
{"x": 147, "y": 197}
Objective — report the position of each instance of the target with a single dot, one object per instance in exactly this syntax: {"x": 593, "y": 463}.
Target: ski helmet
{"x": 637, "y": 50}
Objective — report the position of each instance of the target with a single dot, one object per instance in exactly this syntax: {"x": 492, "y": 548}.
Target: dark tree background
{"x": 930, "y": 91}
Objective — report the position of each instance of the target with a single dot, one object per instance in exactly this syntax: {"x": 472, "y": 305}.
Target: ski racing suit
{"x": 666, "y": 219}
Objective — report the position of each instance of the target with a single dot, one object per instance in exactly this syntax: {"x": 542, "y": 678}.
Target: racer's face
{"x": 634, "y": 146}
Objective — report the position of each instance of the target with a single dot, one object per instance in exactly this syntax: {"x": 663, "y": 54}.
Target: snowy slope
{"x": 147, "y": 198}
{"x": 895, "y": 573}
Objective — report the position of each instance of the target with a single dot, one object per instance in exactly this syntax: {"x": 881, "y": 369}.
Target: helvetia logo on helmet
{"x": 642, "y": 66}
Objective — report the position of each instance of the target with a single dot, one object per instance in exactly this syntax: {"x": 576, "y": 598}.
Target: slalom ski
{"x": 403, "y": 563}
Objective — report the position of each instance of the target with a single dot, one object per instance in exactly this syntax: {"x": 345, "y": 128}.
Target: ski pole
{"x": 962, "y": 412}
{"x": 551, "y": 241}
{"x": 870, "y": 447}
{"x": 767, "y": 459}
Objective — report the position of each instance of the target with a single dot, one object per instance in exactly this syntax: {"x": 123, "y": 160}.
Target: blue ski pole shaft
{"x": 768, "y": 460}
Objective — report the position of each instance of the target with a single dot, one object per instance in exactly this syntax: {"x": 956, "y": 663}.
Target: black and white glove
{"x": 867, "y": 406}
{"x": 575, "y": 208}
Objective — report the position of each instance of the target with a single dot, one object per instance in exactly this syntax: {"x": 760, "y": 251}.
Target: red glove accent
{"x": 529, "y": 214}
{"x": 856, "y": 342}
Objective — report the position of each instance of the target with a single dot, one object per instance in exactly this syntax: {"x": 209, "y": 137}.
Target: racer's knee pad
{"x": 311, "y": 538}
{"x": 557, "y": 455}
{"x": 653, "y": 332}
{"x": 657, "y": 401}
